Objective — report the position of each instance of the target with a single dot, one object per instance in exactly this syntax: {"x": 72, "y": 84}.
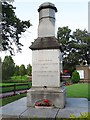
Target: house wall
{"x": 86, "y": 70}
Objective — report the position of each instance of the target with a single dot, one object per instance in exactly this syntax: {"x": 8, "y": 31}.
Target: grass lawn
{"x": 80, "y": 90}
{"x": 5, "y": 84}
{"x": 7, "y": 100}
{"x": 7, "y": 89}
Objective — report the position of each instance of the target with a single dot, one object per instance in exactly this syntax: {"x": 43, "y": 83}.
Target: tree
{"x": 12, "y": 28}
{"x": 83, "y": 45}
{"x": 16, "y": 70}
{"x": 8, "y": 68}
{"x": 76, "y": 47}
{"x": 22, "y": 70}
{"x": 67, "y": 42}
{"x": 29, "y": 69}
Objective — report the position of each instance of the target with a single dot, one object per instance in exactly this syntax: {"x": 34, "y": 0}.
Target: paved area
{"x": 11, "y": 93}
{"x": 18, "y": 110}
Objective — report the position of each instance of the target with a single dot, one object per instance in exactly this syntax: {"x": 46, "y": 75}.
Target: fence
{"x": 14, "y": 87}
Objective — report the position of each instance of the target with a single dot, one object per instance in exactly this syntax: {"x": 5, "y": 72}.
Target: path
{"x": 2, "y": 95}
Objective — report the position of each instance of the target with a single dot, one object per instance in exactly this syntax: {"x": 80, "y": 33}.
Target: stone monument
{"x": 46, "y": 61}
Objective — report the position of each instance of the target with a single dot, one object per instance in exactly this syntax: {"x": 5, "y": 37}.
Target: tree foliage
{"x": 82, "y": 39}
{"x": 22, "y": 70}
{"x": 8, "y": 67}
{"x": 16, "y": 73}
{"x": 76, "y": 47}
{"x": 12, "y": 28}
{"x": 29, "y": 69}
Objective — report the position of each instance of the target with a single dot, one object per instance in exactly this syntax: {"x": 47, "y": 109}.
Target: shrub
{"x": 18, "y": 79}
{"x": 75, "y": 77}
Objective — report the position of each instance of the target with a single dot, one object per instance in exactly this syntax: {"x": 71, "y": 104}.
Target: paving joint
{"x": 23, "y": 112}
{"x": 57, "y": 114}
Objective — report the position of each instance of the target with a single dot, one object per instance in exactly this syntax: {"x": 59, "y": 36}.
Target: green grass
{"x": 78, "y": 90}
{"x": 7, "y": 89}
{"x": 5, "y": 84}
{"x": 7, "y": 100}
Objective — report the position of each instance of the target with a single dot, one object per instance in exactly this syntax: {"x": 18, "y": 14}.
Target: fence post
{"x": 14, "y": 89}
{"x": 28, "y": 85}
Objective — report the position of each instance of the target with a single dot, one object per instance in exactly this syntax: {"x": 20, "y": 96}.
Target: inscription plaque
{"x": 46, "y": 68}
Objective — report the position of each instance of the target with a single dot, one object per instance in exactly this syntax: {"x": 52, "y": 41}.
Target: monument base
{"x": 55, "y": 95}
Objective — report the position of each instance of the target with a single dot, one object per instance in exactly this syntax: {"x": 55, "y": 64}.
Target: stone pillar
{"x": 46, "y": 27}
{"x": 46, "y": 61}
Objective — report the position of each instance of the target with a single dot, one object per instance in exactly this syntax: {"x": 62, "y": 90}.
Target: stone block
{"x": 74, "y": 106}
{"x": 39, "y": 113}
{"x": 65, "y": 113}
{"x": 55, "y": 95}
{"x": 46, "y": 68}
{"x": 13, "y": 110}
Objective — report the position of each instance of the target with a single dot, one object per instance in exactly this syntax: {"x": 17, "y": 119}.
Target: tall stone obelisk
{"x": 46, "y": 61}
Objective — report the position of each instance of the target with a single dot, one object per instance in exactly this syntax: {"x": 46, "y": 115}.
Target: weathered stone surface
{"x": 76, "y": 102}
{"x": 55, "y": 95}
{"x": 40, "y": 113}
{"x": 65, "y": 113}
{"x": 45, "y": 43}
{"x": 74, "y": 106}
{"x": 14, "y": 111}
{"x": 46, "y": 60}
{"x": 46, "y": 20}
{"x": 46, "y": 68}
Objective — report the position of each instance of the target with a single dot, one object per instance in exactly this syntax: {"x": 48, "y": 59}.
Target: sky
{"x": 71, "y": 13}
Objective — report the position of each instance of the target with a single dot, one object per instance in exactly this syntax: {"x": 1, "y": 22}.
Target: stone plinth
{"x": 55, "y": 95}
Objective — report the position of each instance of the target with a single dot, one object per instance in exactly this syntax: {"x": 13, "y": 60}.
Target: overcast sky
{"x": 71, "y": 13}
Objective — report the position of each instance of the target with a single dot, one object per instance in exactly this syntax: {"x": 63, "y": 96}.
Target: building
{"x": 84, "y": 72}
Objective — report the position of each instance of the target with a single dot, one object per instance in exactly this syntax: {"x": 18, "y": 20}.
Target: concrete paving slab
{"x": 73, "y": 106}
{"x": 76, "y": 102}
{"x": 65, "y": 113}
{"x": 40, "y": 113}
{"x": 18, "y": 110}
{"x": 89, "y": 106}
{"x": 14, "y": 109}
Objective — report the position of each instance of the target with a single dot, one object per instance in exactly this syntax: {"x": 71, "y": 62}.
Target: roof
{"x": 45, "y": 43}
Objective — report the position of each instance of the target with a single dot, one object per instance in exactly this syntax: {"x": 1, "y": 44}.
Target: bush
{"x": 18, "y": 79}
{"x": 75, "y": 77}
